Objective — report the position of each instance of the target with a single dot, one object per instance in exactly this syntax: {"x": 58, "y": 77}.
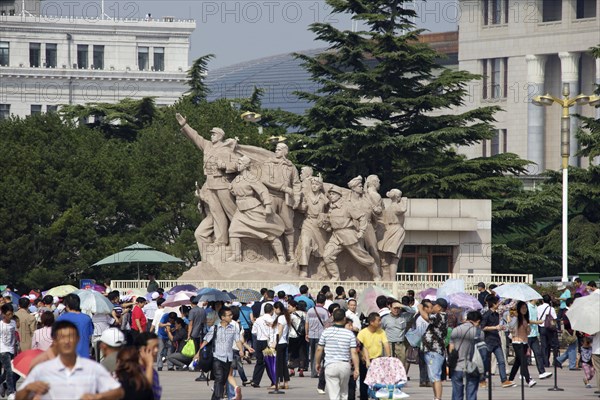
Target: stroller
{"x": 386, "y": 377}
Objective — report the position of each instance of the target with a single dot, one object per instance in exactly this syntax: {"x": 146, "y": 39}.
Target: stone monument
{"x": 263, "y": 220}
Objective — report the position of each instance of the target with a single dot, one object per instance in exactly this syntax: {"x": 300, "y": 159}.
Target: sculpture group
{"x": 252, "y": 194}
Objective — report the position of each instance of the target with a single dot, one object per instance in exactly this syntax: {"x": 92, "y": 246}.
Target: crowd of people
{"x": 324, "y": 334}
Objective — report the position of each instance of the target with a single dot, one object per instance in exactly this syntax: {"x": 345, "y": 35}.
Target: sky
{"x": 241, "y": 30}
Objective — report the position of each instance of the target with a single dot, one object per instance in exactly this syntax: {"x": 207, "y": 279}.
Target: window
{"x": 51, "y": 109}
{"x": 426, "y": 259}
{"x": 82, "y": 56}
{"x": 98, "y": 62}
{"x": 4, "y": 53}
{"x": 504, "y": 140}
{"x": 585, "y": 9}
{"x": 51, "y": 55}
{"x": 495, "y": 78}
{"x": 35, "y": 55}
{"x": 4, "y": 111}
{"x": 495, "y": 144}
{"x": 484, "y": 148}
{"x": 36, "y": 109}
{"x": 159, "y": 58}
{"x": 495, "y": 12}
{"x": 143, "y": 59}
{"x": 551, "y": 10}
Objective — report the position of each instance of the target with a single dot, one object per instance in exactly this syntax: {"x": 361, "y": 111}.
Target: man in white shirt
{"x": 262, "y": 329}
{"x": 150, "y": 309}
{"x": 351, "y": 313}
{"x": 382, "y": 304}
{"x": 548, "y": 338}
{"x": 69, "y": 376}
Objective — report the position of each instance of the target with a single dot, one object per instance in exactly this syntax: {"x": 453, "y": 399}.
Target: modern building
{"x": 51, "y": 60}
{"x": 526, "y": 48}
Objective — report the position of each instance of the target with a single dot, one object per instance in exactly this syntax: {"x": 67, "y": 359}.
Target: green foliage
{"x": 196, "y": 74}
{"x": 387, "y": 107}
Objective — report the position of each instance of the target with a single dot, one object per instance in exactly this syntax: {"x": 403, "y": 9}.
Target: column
{"x": 569, "y": 63}
{"x": 536, "y": 116}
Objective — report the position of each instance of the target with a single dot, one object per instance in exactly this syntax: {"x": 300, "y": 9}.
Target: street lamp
{"x": 565, "y": 133}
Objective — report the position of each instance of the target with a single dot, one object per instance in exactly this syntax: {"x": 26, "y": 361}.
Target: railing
{"x": 406, "y": 281}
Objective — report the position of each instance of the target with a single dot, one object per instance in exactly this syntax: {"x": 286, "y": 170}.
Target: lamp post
{"x": 565, "y": 136}
{"x": 250, "y": 116}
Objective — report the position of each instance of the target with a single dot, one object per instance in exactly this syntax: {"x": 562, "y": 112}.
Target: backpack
{"x": 549, "y": 322}
{"x": 415, "y": 334}
{"x": 205, "y": 361}
{"x": 479, "y": 353}
{"x": 301, "y": 330}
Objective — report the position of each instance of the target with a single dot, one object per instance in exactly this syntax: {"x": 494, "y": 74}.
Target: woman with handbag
{"x": 520, "y": 329}
{"x": 570, "y": 338}
{"x": 297, "y": 342}
{"x": 281, "y": 327}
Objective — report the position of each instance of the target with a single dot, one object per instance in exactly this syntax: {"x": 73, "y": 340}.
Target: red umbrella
{"x": 21, "y": 364}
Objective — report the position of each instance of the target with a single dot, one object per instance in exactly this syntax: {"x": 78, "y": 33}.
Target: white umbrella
{"x": 451, "y": 286}
{"x": 179, "y": 299}
{"x": 93, "y": 302}
{"x": 584, "y": 315}
{"x": 288, "y": 288}
{"x": 517, "y": 291}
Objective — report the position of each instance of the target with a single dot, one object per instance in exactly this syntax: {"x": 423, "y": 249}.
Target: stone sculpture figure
{"x": 393, "y": 238}
{"x": 372, "y": 185}
{"x": 312, "y": 237}
{"x": 358, "y": 200}
{"x": 204, "y": 233}
{"x": 348, "y": 225}
{"x": 254, "y": 217}
{"x": 219, "y": 163}
{"x": 280, "y": 176}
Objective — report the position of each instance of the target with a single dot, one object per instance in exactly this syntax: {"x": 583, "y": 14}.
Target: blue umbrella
{"x": 15, "y": 297}
{"x": 182, "y": 288}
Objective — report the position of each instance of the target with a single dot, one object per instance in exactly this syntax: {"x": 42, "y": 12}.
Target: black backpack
{"x": 301, "y": 331}
{"x": 205, "y": 361}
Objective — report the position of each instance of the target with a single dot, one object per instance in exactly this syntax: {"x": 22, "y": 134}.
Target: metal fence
{"x": 406, "y": 281}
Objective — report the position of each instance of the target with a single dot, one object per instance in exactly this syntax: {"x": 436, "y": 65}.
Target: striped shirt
{"x": 87, "y": 376}
{"x": 337, "y": 342}
{"x": 226, "y": 337}
{"x": 316, "y": 322}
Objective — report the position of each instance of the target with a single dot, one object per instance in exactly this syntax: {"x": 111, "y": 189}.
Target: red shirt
{"x": 137, "y": 313}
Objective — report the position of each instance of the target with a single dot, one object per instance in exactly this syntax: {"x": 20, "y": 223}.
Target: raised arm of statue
{"x": 190, "y": 132}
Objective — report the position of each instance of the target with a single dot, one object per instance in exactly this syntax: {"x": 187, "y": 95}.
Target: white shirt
{"x": 8, "y": 338}
{"x": 354, "y": 318}
{"x": 285, "y": 331}
{"x": 596, "y": 344}
{"x": 384, "y": 311}
{"x": 87, "y": 376}
{"x": 150, "y": 309}
{"x": 544, "y": 309}
{"x": 262, "y": 327}
{"x": 262, "y": 307}
{"x": 157, "y": 317}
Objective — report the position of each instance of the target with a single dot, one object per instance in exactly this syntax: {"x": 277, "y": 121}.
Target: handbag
{"x": 549, "y": 322}
{"x": 568, "y": 338}
{"x": 189, "y": 350}
{"x": 412, "y": 355}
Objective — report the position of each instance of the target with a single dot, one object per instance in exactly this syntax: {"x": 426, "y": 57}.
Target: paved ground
{"x": 181, "y": 385}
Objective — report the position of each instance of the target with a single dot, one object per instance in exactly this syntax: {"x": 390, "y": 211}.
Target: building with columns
{"x": 51, "y": 60}
{"x": 525, "y": 48}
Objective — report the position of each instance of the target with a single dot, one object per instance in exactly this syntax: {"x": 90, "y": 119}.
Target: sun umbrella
{"x": 182, "y": 288}
{"x": 517, "y": 291}
{"x": 215, "y": 295}
{"x": 451, "y": 286}
{"x": 288, "y": 288}
{"x": 62, "y": 291}
{"x": 93, "y": 302}
{"x": 179, "y": 299}
{"x": 21, "y": 364}
{"x": 139, "y": 254}
{"x": 136, "y": 292}
{"x": 366, "y": 300}
{"x": 583, "y": 314}
{"x": 246, "y": 295}
{"x": 429, "y": 294}
{"x": 271, "y": 363}
{"x": 203, "y": 290}
{"x": 464, "y": 300}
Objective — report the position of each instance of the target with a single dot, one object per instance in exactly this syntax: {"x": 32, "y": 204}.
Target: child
{"x": 8, "y": 343}
{"x": 586, "y": 361}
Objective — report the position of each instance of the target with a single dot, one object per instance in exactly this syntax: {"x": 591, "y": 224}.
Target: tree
{"x": 386, "y": 107}
{"x": 196, "y": 74}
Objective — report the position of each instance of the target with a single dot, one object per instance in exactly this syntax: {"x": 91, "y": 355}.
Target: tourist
{"x": 8, "y": 347}
{"x": 27, "y": 323}
{"x": 548, "y": 337}
{"x": 580, "y": 287}
{"x": 225, "y": 334}
{"x": 490, "y": 323}
{"x": 147, "y": 345}
{"x": 109, "y": 344}
{"x": 297, "y": 342}
{"x": 434, "y": 343}
{"x": 462, "y": 340}
{"x": 139, "y": 321}
{"x": 262, "y": 330}
{"x": 520, "y": 330}
{"x": 305, "y": 297}
{"x": 133, "y": 380}
{"x": 596, "y": 359}
{"x": 315, "y": 324}
{"x": 177, "y": 339}
{"x": 339, "y": 345}
{"x": 421, "y": 326}
{"x": 571, "y": 352}
{"x": 592, "y": 287}
{"x": 351, "y": 313}
{"x": 586, "y": 362}
{"x": 117, "y": 311}
{"x": 42, "y": 338}
{"x": 395, "y": 326}
{"x": 533, "y": 340}
{"x": 152, "y": 284}
{"x": 482, "y": 293}
{"x": 197, "y": 318}
{"x": 281, "y": 329}
{"x": 382, "y": 304}
{"x": 566, "y": 294}
{"x": 49, "y": 381}
{"x": 158, "y": 314}
{"x": 83, "y": 322}
{"x": 150, "y": 308}
{"x": 164, "y": 346}
{"x": 374, "y": 345}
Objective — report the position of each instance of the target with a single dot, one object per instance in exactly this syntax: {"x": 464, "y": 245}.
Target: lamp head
{"x": 250, "y": 116}
{"x": 545, "y": 100}
{"x": 582, "y": 99}
{"x": 594, "y": 101}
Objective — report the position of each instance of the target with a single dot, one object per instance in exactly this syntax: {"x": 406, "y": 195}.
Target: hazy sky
{"x": 240, "y": 30}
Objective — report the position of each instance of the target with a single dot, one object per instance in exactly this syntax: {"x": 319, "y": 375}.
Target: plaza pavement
{"x": 178, "y": 385}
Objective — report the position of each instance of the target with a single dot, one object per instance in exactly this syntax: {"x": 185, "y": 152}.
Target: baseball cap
{"x": 441, "y": 302}
{"x": 155, "y": 295}
{"x": 112, "y": 337}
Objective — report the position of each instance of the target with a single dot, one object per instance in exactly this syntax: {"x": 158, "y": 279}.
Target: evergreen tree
{"x": 387, "y": 107}
{"x": 196, "y": 74}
